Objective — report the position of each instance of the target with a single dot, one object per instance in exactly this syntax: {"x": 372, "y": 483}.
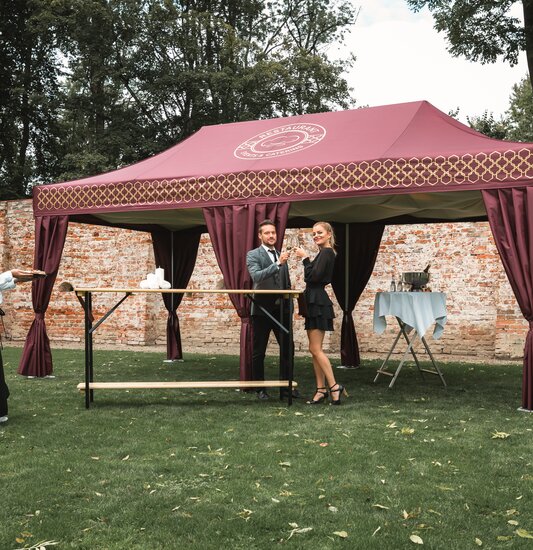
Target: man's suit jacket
{"x": 266, "y": 275}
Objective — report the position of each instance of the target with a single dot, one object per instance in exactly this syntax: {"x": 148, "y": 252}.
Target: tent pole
{"x": 346, "y": 274}
{"x": 172, "y": 264}
{"x": 346, "y": 263}
{"x": 172, "y": 296}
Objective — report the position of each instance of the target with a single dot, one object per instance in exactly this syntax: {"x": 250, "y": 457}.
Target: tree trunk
{"x": 528, "y": 27}
{"x": 25, "y": 119}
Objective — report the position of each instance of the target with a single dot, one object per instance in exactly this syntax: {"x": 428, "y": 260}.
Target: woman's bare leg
{"x": 321, "y": 364}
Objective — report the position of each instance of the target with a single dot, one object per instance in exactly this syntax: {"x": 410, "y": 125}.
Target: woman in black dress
{"x": 319, "y": 315}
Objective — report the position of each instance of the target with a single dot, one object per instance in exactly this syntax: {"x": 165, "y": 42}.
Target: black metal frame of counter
{"x": 85, "y": 297}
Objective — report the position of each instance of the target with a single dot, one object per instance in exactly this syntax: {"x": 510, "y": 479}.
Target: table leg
{"x": 406, "y": 353}
{"x": 290, "y": 343}
{"x": 87, "y": 306}
{"x": 382, "y": 369}
{"x": 406, "y": 336}
{"x": 438, "y": 371}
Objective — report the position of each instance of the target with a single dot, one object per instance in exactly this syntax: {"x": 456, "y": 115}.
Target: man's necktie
{"x": 274, "y": 255}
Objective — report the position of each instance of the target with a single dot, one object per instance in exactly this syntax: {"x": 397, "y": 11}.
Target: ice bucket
{"x": 417, "y": 279}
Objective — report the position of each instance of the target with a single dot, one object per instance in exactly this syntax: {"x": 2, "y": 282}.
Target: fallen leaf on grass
{"x": 333, "y": 509}
{"x": 378, "y": 529}
{"x": 522, "y": 533}
{"x": 416, "y": 539}
{"x": 285, "y": 464}
{"x": 40, "y": 545}
{"x": 324, "y": 444}
{"x": 407, "y": 431}
{"x": 95, "y": 457}
{"x": 478, "y": 541}
{"x": 126, "y": 457}
{"x": 245, "y": 514}
{"x": 500, "y": 435}
{"x": 380, "y": 506}
{"x": 341, "y": 534}
{"x": 503, "y": 538}
{"x": 512, "y": 522}
{"x": 299, "y": 531}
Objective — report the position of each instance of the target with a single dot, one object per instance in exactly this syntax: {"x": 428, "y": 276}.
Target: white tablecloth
{"x": 418, "y": 310}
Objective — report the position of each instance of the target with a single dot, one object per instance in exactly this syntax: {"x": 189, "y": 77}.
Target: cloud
{"x": 400, "y": 57}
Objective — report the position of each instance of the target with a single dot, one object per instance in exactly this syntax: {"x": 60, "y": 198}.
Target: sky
{"x": 400, "y": 58}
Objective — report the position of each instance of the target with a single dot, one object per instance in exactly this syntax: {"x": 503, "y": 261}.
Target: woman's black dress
{"x": 318, "y": 274}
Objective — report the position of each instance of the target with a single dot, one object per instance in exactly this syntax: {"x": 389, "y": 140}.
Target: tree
{"x": 488, "y": 125}
{"x": 483, "y": 30}
{"x": 517, "y": 122}
{"x": 148, "y": 73}
{"x": 91, "y": 85}
{"x": 520, "y": 112}
{"x": 30, "y": 97}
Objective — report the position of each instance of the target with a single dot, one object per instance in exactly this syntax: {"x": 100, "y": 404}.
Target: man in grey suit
{"x": 269, "y": 271}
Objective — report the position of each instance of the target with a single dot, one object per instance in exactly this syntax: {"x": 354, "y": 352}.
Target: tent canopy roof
{"x": 369, "y": 164}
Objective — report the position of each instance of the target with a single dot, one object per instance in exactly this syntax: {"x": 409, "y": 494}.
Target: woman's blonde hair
{"x": 329, "y": 229}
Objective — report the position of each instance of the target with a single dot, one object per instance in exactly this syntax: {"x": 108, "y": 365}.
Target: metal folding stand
{"x": 89, "y": 330}
{"x": 85, "y": 299}
{"x": 410, "y": 350}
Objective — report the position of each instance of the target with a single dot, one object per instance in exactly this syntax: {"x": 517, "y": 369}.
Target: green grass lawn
{"x": 221, "y": 469}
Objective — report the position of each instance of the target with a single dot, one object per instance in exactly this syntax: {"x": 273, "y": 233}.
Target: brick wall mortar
{"x": 484, "y": 321}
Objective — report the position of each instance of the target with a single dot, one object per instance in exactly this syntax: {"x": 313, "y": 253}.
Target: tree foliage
{"x": 483, "y": 30}
{"x": 90, "y": 85}
{"x": 520, "y": 112}
{"x": 487, "y": 124}
{"x": 517, "y": 122}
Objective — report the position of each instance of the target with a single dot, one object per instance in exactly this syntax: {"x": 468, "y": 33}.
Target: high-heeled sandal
{"x": 320, "y": 399}
{"x": 342, "y": 391}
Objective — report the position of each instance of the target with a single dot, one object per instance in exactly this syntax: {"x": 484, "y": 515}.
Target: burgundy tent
{"x": 358, "y": 169}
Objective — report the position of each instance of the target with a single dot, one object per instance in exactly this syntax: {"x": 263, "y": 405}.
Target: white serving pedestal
{"x": 415, "y": 312}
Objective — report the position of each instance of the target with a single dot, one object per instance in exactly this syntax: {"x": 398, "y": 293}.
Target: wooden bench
{"x": 189, "y": 384}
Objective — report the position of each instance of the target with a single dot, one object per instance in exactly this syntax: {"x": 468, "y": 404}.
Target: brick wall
{"x": 484, "y": 321}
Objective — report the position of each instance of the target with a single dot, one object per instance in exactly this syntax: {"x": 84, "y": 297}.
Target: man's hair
{"x": 265, "y": 222}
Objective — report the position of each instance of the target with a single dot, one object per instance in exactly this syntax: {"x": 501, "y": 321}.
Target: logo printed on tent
{"x": 281, "y": 141}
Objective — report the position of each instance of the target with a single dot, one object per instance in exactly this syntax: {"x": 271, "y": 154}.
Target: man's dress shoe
{"x": 262, "y": 394}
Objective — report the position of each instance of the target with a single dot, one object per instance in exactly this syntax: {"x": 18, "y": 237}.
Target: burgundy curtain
{"x": 50, "y": 233}
{"x": 512, "y": 227}
{"x": 233, "y": 231}
{"x": 357, "y": 250}
{"x": 175, "y": 252}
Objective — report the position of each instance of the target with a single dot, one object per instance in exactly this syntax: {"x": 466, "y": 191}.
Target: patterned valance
{"x": 326, "y": 181}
